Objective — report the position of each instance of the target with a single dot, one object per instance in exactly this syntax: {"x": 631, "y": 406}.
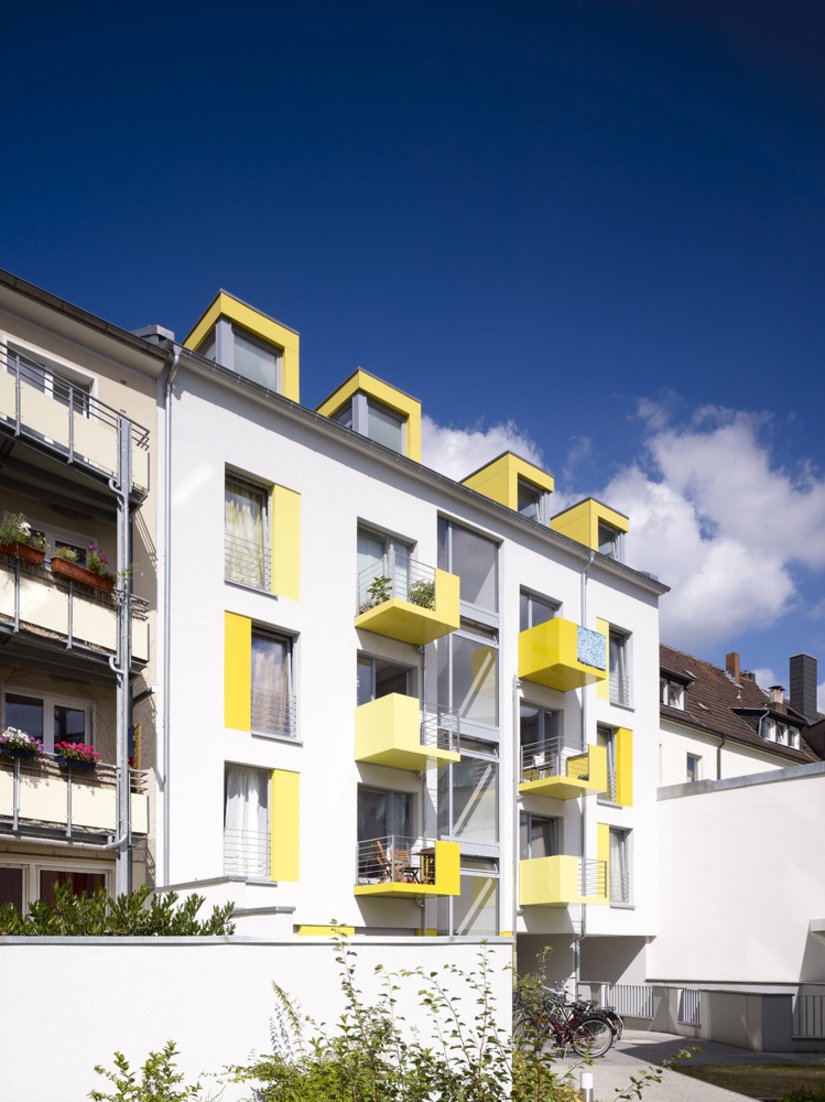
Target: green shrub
{"x": 134, "y": 914}
{"x": 159, "y": 1082}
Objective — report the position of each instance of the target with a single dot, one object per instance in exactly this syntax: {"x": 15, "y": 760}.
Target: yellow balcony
{"x": 402, "y": 599}
{"x": 398, "y": 731}
{"x": 562, "y": 655}
{"x": 560, "y": 881}
{"x": 562, "y": 774}
{"x": 68, "y": 614}
{"x": 394, "y": 867}
{"x": 62, "y": 419}
{"x": 38, "y": 795}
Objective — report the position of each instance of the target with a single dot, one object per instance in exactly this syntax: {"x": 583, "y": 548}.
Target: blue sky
{"x": 592, "y": 230}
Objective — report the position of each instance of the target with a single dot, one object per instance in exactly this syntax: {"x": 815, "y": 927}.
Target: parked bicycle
{"x": 546, "y": 1014}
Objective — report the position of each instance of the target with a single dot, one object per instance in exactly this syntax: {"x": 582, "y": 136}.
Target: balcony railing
{"x": 619, "y": 886}
{"x": 619, "y": 689}
{"x": 545, "y": 759}
{"x": 64, "y": 419}
{"x": 39, "y": 797}
{"x": 398, "y": 865}
{"x": 562, "y": 772}
{"x": 440, "y": 727}
{"x": 55, "y": 607}
{"x": 562, "y": 880}
{"x": 246, "y": 853}
{"x": 396, "y": 576}
{"x": 593, "y": 877}
{"x": 273, "y": 712}
{"x": 246, "y": 561}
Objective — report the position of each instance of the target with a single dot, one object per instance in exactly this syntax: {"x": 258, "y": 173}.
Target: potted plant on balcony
{"x": 76, "y": 755}
{"x": 93, "y": 574}
{"x": 18, "y": 539}
{"x": 378, "y": 591}
{"x": 15, "y": 743}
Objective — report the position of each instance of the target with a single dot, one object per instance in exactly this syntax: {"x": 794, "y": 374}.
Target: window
{"x": 619, "y": 673}
{"x": 51, "y": 719}
{"x": 273, "y": 711}
{"x": 672, "y": 693}
{"x": 468, "y": 798}
{"x": 540, "y": 741}
{"x": 619, "y": 866}
{"x": 534, "y": 610}
{"x": 610, "y": 541}
{"x": 769, "y": 730}
{"x": 606, "y": 738}
{"x": 468, "y": 674}
{"x": 88, "y": 882}
{"x": 531, "y": 501}
{"x": 385, "y": 814}
{"x": 24, "y": 883}
{"x": 246, "y": 822}
{"x": 474, "y": 559}
{"x": 61, "y": 383}
{"x": 245, "y": 533}
{"x": 11, "y": 887}
{"x": 371, "y": 418}
{"x": 793, "y": 737}
{"x": 237, "y": 349}
{"x": 383, "y": 568}
{"x": 538, "y": 836}
{"x": 694, "y": 767}
{"x": 378, "y": 677}
{"x": 475, "y": 910}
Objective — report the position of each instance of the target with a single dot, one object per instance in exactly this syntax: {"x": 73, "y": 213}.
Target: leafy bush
{"x": 14, "y": 528}
{"x": 131, "y": 915}
{"x": 422, "y": 594}
{"x": 159, "y": 1080}
{"x": 67, "y": 554}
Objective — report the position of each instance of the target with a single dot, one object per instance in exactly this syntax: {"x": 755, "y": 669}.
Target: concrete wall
{"x": 212, "y": 996}
{"x": 737, "y": 760}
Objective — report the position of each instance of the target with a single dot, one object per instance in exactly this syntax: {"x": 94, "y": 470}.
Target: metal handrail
{"x": 619, "y": 886}
{"x": 440, "y": 727}
{"x": 619, "y": 689}
{"x": 593, "y": 876}
{"x": 273, "y": 712}
{"x": 246, "y": 852}
{"x": 395, "y": 859}
{"x": 246, "y": 561}
{"x": 546, "y": 759}
{"x": 396, "y": 576}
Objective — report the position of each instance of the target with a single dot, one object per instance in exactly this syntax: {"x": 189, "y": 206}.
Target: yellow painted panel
{"x": 285, "y": 825}
{"x": 390, "y": 396}
{"x": 326, "y": 931}
{"x": 552, "y": 882}
{"x": 548, "y": 655}
{"x": 237, "y": 692}
{"x": 499, "y": 480}
{"x": 603, "y": 852}
{"x": 286, "y": 543}
{"x": 506, "y": 933}
{"x": 388, "y": 732}
{"x": 592, "y": 766}
{"x": 410, "y": 623}
{"x": 624, "y": 766}
{"x": 581, "y": 522}
{"x": 603, "y": 687}
{"x": 262, "y": 326}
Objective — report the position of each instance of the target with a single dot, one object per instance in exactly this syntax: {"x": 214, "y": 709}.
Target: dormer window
{"x": 610, "y": 541}
{"x": 238, "y": 350}
{"x": 531, "y": 500}
{"x": 371, "y": 418}
{"x": 671, "y": 693}
{"x": 769, "y": 729}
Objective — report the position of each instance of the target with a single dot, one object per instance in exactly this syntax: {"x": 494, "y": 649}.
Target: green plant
{"x": 378, "y": 591}
{"x": 159, "y": 1082}
{"x": 135, "y": 914}
{"x": 96, "y": 561}
{"x": 423, "y": 594}
{"x": 67, "y": 554}
{"x": 14, "y": 528}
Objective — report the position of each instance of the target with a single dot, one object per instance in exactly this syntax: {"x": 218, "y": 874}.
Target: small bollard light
{"x": 586, "y": 1086}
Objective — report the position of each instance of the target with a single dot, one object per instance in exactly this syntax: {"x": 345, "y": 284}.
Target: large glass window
{"x": 256, "y": 361}
{"x": 541, "y": 743}
{"x": 468, "y": 799}
{"x": 606, "y": 738}
{"x": 610, "y": 541}
{"x": 245, "y": 532}
{"x": 246, "y": 822}
{"x": 48, "y": 719}
{"x": 619, "y": 667}
{"x": 385, "y": 426}
{"x": 475, "y": 910}
{"x": 619, "y": 866}
{"x": 535, "y": 610}
{"x": 384, "y": 814}
{"x": 88, "y": 882}
{"x": 538, "y": 836}
{"x": 273, "y": 710}
{"x": 378, "y": 677}
{"x": 474, "y": 559}
{"x": 383, "y": 568}
{"x": 11, "y": 887}
{"x": 468, "y": 674}
{"x": 530, "y": 500}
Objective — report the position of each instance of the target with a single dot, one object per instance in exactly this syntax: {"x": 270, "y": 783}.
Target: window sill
{"x": 250, "y": 588}
{"x": 624, "y": 707}
{"x": 609, "y": 803}
{"x": 289, "y": 739}
{"x": 617, "y": 906}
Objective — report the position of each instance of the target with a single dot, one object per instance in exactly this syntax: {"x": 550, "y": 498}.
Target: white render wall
{"x": 740, "y": 880}
{"x": 737, "y": 759}
{"x": 212, "y": 996}
{"x": 214, "y": 427}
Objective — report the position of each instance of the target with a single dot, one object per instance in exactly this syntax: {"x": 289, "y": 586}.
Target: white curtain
{"x": 271, "y": 686}
{"x": 246, "y": 822}
{"x": 244, "y": 534}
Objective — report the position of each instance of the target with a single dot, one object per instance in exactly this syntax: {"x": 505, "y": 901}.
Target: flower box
{"x": 74, "y": 763}
{"x": 103, "y": 582}
{"x": 19, "y": 752}
{"x": 26, "y": 552}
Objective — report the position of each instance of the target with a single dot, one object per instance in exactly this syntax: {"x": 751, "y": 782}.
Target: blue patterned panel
{"x": 591, "y": 648}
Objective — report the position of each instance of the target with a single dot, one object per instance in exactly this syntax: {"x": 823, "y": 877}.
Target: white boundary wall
{"x": 71, "y": 1002}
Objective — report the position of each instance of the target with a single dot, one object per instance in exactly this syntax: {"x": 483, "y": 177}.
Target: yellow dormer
{"x": 242, "y": 339}
{"x": 512, "y": 481}
{"x": 375, "y": 409}
{"x": 595, "y": 525}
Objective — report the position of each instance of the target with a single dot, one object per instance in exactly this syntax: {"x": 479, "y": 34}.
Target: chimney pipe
{"x": 803, "y": 686}
{"x": 777, "y": 694}
{"x": 732, "y": 665}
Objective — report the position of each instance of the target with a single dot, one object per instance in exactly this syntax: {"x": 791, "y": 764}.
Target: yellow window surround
{"x": 237, "y": 672}
{"x": 581, "y": 522}
{"x": 259, "y": 325}
{"x": 285, "y": 825}
{"x": 285, "y": 510}
{"x": 499, "y": 479}
{"x": 408, "y": 408}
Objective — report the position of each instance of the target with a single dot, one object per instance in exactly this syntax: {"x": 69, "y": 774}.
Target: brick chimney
{"x": 803, "y": 686}
{"x": 777, "y": 694}
{"x": 732, "y": 665}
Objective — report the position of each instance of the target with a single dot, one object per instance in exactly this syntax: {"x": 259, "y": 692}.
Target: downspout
{"x": 583, "y": 925}
{"x": 174, "y": 361}
{"x": 719, "y": 753}
{"x": 514, "y": 879}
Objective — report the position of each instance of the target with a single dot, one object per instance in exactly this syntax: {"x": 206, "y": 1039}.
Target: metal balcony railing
{"x": 38, "y": 796}
{"x": 273, "y": 712}
{"x": 593, "y": 876}
{"x": 395, "y": 859}
{"x": 246, "y": 561}
{"x": 63, "y": 417}
{"x": 619, "y": 886}
{"x": 545, "y": 759}
{"x": 440, "y": 727}
{"x": 689, "y": 1006}
{"x": 632, "y": 1000}
{"x": 619, "y": 689}
{"x": 79, "y": 617}
{"x": 396, "y": 576}
{"x": 246, "y": 853}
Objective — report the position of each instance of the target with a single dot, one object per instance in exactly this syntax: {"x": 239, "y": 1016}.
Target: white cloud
{"x": 459, "y": 452}
{"x": 765, "y": 677}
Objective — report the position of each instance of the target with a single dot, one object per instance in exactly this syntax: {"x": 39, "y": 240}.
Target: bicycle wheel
{"x": 592, "y": 1037}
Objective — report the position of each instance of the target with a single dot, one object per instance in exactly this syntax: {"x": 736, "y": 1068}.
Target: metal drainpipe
{"x": 516, "y": 841}
{"x": 719, "y": 753}
{"x": 583, "y": 926}
{"x": 121, "y": 662}
{"x": 174, "y": 361}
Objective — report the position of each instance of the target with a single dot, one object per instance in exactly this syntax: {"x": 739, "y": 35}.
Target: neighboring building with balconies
{"x": 77, "y": 468}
